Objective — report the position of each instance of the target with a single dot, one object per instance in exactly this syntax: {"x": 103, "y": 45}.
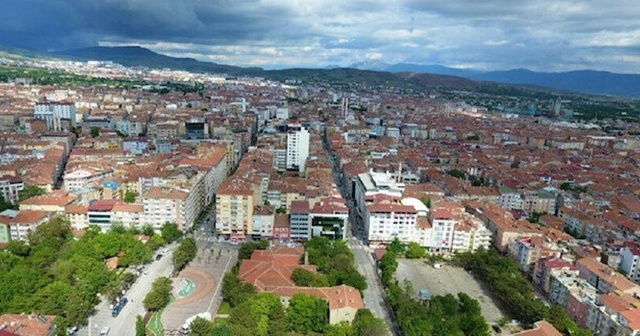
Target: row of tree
{"x": 514, "y": 291}
{"x": 442, "y": 316}
{"x": 335, "y": 262}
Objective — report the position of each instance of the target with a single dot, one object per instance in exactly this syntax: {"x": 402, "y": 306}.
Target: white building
{"x": 10, "y": 186}
{"x": 442, "y": 226}
{"x": 372, "y": 184}
{"x": 57, "y": 115}
{"x": 385, "y": 222}
{"x": 263, "y": 220}
{"x": 297, "y": 147}
{"x": 80, "y": 178}
{"x": 629, "y": 263}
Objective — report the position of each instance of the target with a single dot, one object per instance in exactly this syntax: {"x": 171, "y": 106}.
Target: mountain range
{"x": 376, "y": 72}
{"x": 585, "y": 81}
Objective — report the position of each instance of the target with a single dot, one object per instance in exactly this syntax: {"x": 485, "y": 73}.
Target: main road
{"x": 374, "y": 294}
{"x": 125, "y": 323}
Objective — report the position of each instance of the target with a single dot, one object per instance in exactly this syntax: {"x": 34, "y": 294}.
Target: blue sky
{"x": 542, "y": 35}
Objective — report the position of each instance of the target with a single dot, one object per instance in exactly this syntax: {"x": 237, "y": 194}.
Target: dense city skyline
{"x": 498, "y": 34}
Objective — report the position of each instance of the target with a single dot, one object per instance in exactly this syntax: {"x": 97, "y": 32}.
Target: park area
{"x": 444, "y": 280}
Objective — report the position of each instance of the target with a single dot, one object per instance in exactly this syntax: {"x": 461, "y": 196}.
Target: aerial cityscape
{"x": 280, "y": 168}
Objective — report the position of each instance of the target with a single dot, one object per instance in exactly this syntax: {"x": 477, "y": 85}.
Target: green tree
{"x": 130, "y": 196}
{"x": 158, "y": 297}
{"x": 141, "y": 328}
{"x": 426, "y": 201}
{"x": 234, "y": 290}
{"x": 415, "y": 251}
{"x": 302, "y": 277}
{"x": 341, "y": 329}
{"x": 4, "y": 205}
{"x": 247, "y": 249}
{"x": 155, "y": 242}
{"x": 365, "y": 324}
{"x": 307, "y": 313}
{"x": 19, "y": 248}
{"x": 388, "y": 265}
{"x": 170, "y": 232}
{"x": 457, "y": 173}
{"x": 95, "y": 132}
{"x": 201, "y": 327}
{"x": 117, "y": 227}
{"x": 148, "y": 230}
{"x": 184, "y": 254}
{"x": 396, "y": 247}
{"x": 29, "y": 192}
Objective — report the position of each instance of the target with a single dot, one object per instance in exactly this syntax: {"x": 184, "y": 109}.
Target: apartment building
{"x": 129, "y": 215}
{"x": 10, "y": 187}
{"x": 163, "y": 204}
{"x": 371, "y": 184}
{"x": 78, "y": 216}
{"x": 630, "y": 261}
{"x": 300, "y": 225}
{"x": 235, "y": 201}
{"x": 386, "y": 221}
{"x": 263, "y": 221}
{"x": 297, "y": 147}
{"x": 20, "y": 223}
{"x": 57, "y": 115}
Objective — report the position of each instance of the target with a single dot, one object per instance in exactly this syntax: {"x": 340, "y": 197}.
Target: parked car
{"x": 104, "y": 331}
{"x": 159, "y": 256}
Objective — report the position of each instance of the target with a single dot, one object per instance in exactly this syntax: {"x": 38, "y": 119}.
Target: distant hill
{"x": 138, "y": 56}
{"x": 378, "y": 73}
{"x": 587, "y": 81}
{"x": 432, "y": 69}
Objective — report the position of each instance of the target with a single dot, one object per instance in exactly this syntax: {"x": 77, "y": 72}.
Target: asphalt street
{"x": 125, "y": 323}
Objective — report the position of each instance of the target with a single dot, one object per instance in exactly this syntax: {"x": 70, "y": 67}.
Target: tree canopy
{"x": 170, "y": 232}
{"x": 158, "y": 297}
{"x": 59, "y": 275}
{"x": 29, "y": 192}
{"x": 184, "y": 254}
{"x": 307, "y": 313}
{"x": 335, "y": 260}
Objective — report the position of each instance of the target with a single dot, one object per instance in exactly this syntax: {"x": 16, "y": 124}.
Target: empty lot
{"x": 447, "y": 279}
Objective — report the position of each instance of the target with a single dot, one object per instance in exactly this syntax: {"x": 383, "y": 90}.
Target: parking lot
{"x": 448, "y": 279}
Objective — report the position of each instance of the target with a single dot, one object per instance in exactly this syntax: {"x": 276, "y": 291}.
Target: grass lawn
{"x": 225, "y": 309}
{"x": 155, "y": 323}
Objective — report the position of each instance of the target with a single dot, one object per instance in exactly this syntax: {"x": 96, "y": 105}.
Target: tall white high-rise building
{"x": 297, "y": 147}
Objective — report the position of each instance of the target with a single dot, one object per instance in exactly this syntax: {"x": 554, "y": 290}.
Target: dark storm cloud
{"x": 551, "y": 35}
{"x": 56, "y": 23}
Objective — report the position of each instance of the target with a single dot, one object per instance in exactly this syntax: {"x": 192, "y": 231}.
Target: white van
{"x": 104, "y": 331}
{"x": 437, "y": 265}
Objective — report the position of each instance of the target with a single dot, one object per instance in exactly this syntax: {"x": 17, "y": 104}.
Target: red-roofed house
{"x": 22, "y": 222}
{"x": 270, "y": 271}
{"x": 542, "y": 328}
{"x": 28, "y": 325}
